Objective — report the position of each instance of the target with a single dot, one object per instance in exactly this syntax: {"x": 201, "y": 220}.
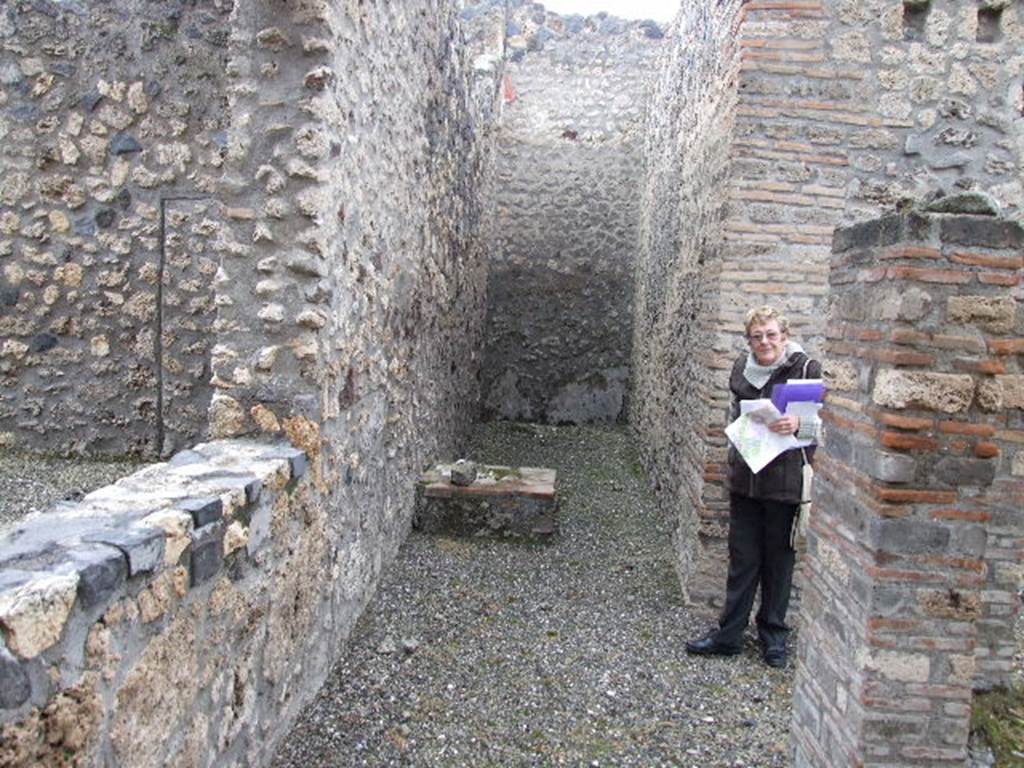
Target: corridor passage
{"x": 490, "y": 653}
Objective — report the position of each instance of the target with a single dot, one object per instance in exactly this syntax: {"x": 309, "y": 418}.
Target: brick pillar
{"x": 914, "y": 551}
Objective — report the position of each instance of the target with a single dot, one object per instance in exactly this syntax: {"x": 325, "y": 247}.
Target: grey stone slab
{"x": 960, "y": 471}
{"x": 259, "y": 526}
{"x": 909, "y": 537}
{"x": 204, "y": 510}
{"x": 982, "y": 231}
{"x": 183, "y": 458}
{"x": 15, "y": 687}
{"x": 12, "y": 578}
{"x": 124, "y": 144}
{"x": 101, "y": 569}
{"x": 143, "y": 546}
{"x": 297, "y": 461}
{"x": 38, "y": 535}
{"x": 253, "y": 489}
{"x": 975, "y": 203}
{"x": 892, "y": 467}
{"x": 970, "y": 541}
{"x": 207, "y": 552}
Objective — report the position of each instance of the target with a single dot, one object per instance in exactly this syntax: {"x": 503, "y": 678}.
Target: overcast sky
{"x": 659, "y": 10}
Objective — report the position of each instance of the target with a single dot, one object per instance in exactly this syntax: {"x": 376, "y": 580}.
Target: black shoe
{"x": 710, "y": 646}
{"x": 775, "y": 657}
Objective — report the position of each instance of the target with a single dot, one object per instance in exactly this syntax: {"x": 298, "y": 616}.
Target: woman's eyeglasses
{"x": 770, "y": 336}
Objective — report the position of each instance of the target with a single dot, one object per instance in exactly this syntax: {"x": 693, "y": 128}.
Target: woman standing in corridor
{"x": 763, "y": 506}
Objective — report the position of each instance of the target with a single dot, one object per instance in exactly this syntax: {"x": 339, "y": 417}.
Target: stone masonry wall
{"x": 565, "y": 199}
{"x": 350, "y": 294}
{"x": 110, "y": 115}
{"x": 349, "y": 291}
{"x": 844, "y": 110}
{"x": 915, "y": 548}
{"x": 847, "y": 108}
{"x": 683, "y": 199}
{"x": 176, "y": 617}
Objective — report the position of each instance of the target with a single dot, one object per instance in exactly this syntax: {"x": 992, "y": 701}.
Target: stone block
{"x": 908, "y": 536}
{"x": 204, "y": 510}
{"x": 143, "y": 546}
{"x": 207, "y": 552}
{"x": 982, "y": 232}
{"x": 943, "y": 392}
{"x": 176, "y": 526}
{"x": 253, "y": 489}
{"x": 950, "y": 604}
{"x": 970, "y": 541}
{"x": 33, "y": 615}
{"x": 888, "y": 230}
{"x": 892, "y": 467}
{"x": 901, "y": 666}
{"x": 996, "y": 314}
{"x": 463, "y": 472}
{"x": 1011, "y": 387}
{"x": 502, "y": 502}
{"x": 959, "y": 471}
{"x": 971, "y": 203}
{"x": 1001, "y": 391}
{"x": 840, "y": 375}
{"x": 101, "y": 570}
{"x": 15, "y": 687}
{"x": 298, "y": 464}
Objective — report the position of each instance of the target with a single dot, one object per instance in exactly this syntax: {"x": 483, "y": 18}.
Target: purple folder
{"x": 806, "y": 390}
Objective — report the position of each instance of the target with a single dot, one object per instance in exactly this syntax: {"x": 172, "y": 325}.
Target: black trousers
{"x": 759, "y": 555}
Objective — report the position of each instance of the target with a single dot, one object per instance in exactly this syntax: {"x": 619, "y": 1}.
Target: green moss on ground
{"x": 998, "y": 716}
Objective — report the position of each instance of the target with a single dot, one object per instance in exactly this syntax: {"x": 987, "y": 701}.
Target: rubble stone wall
{"x": 110, "y": 114}
{"x": 915, "y": 546}
{"x": 566, "y": 203}
{"x": 683, "y": 203}
{"x": 179, "y": 616}
{"x": 843, "y": 110}
{"x": 348, "y": 282}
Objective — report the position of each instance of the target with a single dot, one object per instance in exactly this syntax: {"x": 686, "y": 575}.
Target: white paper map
{"x": 757, "y": 444}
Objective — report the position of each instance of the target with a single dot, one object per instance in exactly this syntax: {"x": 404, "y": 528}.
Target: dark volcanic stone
{"x": 204, "y": 510}
{"x": 207, "y": 553}
{"x": 42, "y": 342}
{"x": 92, "y": 99}
{"x": 124, "y": 144}
{"x": 14, "y": 684}
{"x": 101, "y": 569}
{"x": 105, "y": 218}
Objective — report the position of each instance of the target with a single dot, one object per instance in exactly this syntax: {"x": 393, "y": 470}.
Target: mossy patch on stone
{"x": 998, "y": 717}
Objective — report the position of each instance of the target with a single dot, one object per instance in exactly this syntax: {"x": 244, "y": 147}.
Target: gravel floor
{"x": 484, "y": 653}
{"x": 30, "y": 483}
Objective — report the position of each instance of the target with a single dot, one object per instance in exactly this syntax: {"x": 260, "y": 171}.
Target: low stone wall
{"x": 179, "y": 616}
{"x": 917, "y": 535}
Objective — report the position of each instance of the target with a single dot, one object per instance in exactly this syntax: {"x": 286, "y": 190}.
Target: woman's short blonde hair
{"x": 761, "y": 315}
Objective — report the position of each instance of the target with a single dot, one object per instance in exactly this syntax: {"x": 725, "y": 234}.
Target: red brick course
{"x": 940, "y": 538}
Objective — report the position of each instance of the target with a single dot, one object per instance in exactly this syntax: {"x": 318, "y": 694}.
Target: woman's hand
{"x": 787, "y": 425}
